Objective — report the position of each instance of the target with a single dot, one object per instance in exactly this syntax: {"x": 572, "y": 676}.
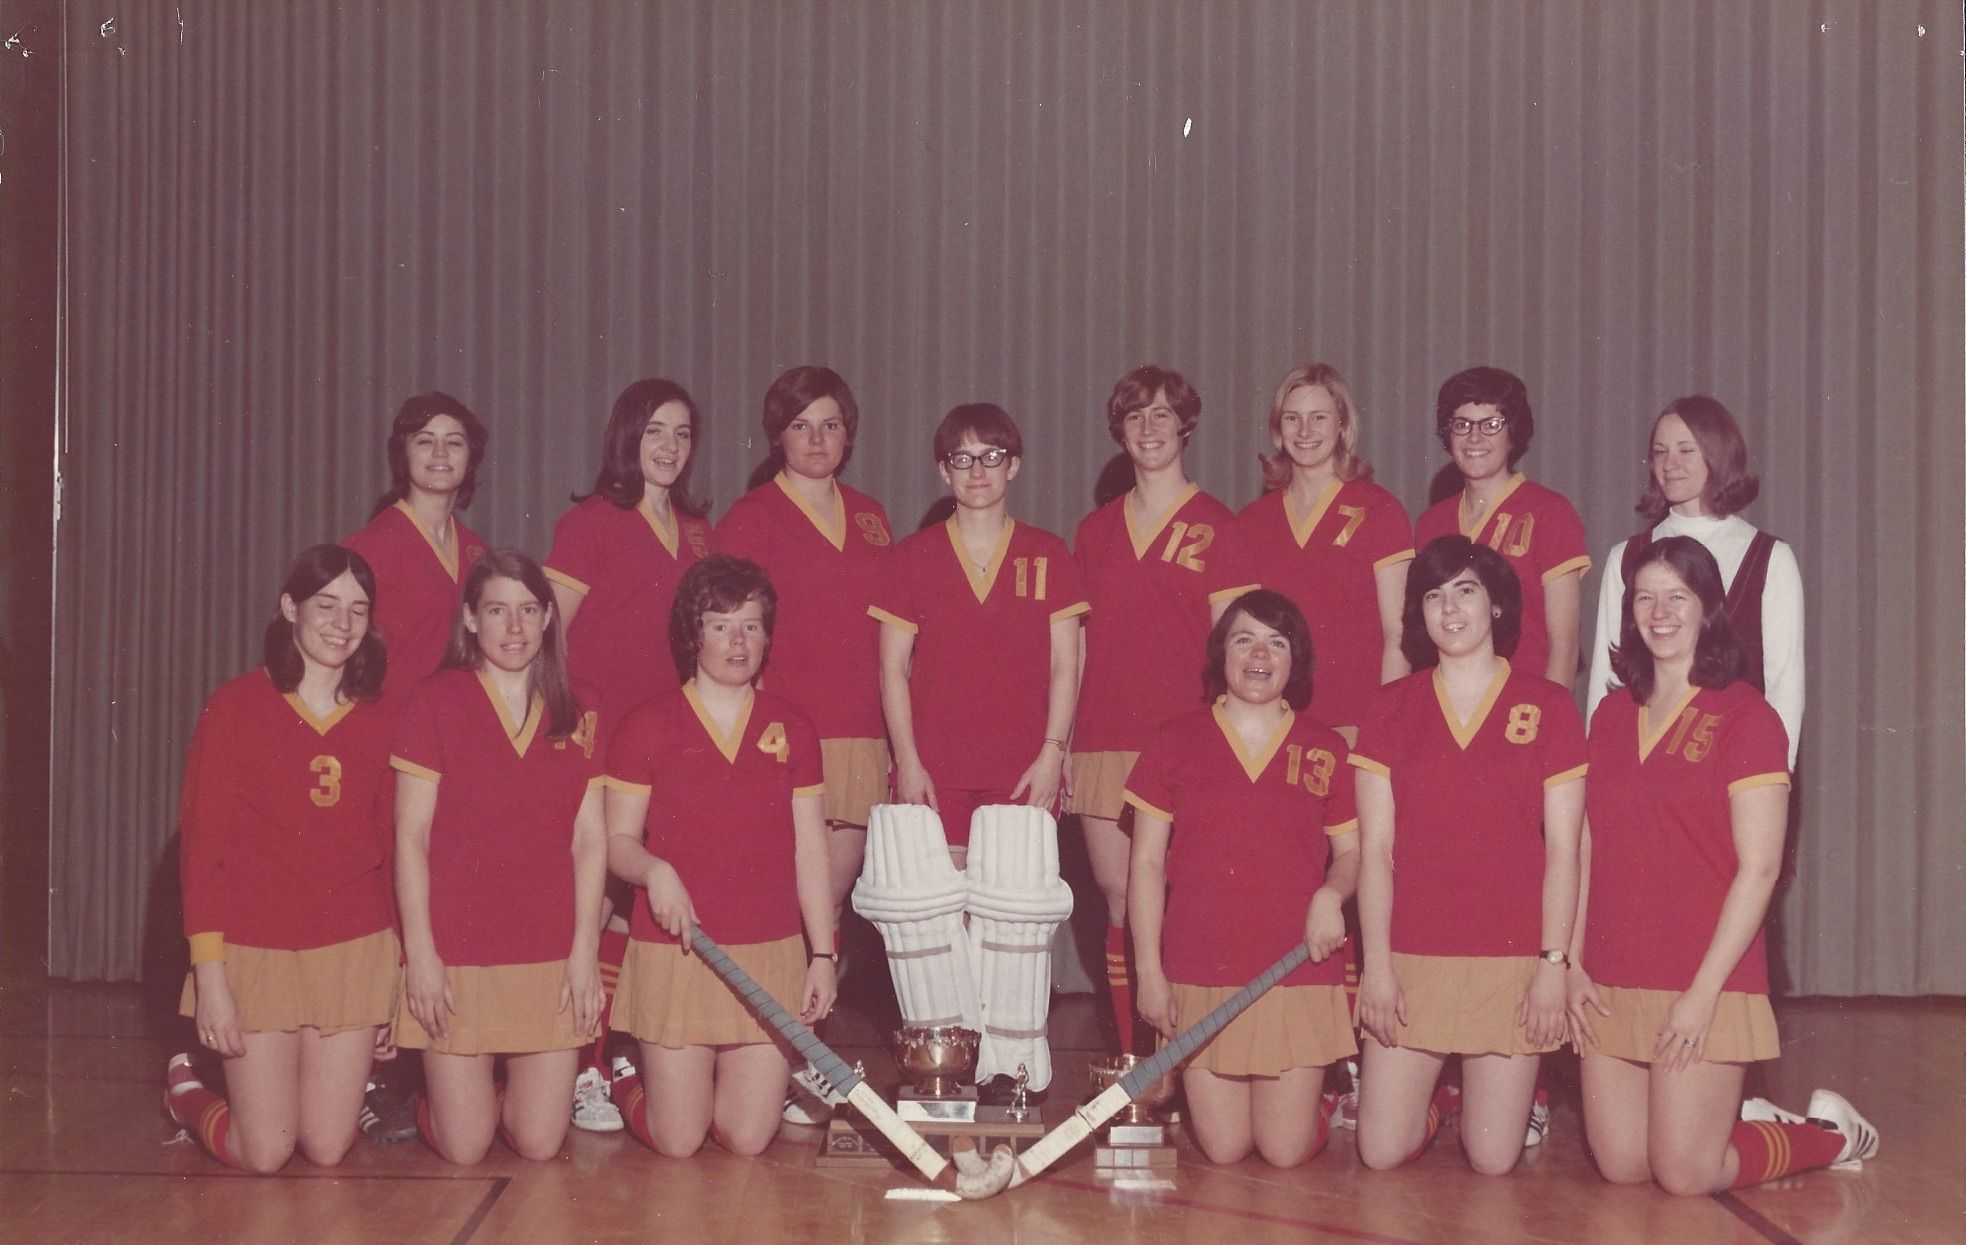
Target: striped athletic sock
{"x": 1770, "y": 1150}
{"x": 1433, "y": 1130}
{"x": 633, "y": 1105}
{"x": 1323, "y": 1138}
{"x": 1119, "y": 987}
{"x": 205, "y": 1115}
{"x": 613, "y": 950}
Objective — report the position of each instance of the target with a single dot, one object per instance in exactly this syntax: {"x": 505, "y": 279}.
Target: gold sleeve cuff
{"x": 207, "y": 948}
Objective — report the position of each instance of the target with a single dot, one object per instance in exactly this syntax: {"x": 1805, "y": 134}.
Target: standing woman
{"x": 1160, "y": 563}
{"x": 735, "y": 842}
{"x": 419, "y": 549}
{"x": 1332, "y": 541}
{"x": 825, "y": 547}
{"x": 1697, "y": 483}
{"x": 1484, "y": 422}
{"x": 500, "y": 855}
{"x": 1256, "y": 795}
{"x": 1472, "y": 785}
{"x": 1669, "y": 998}
{"x": 285, "y": 821}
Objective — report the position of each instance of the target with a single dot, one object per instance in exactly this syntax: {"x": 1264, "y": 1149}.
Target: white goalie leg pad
{"x": 915, "y": 896}
{"x": 1016, "y": 902}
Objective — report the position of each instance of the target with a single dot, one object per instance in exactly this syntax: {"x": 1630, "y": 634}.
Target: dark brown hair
{"x": 1136, "y": 390}
{"x": 718, "y": 584}
{"x": 1443, "y": 560}
{"x": 798, "y": 389}
{"x": 1731, "y": 487}
{"x": 313, "y": 570}
{"x": 1277, "y": 612}
{"x": 620, "y": 480}
{"x": 1487, "y": 386}
{"x": 1716, "y": 655}
{"x": 547, "y": 678}
{"x": 411, "y": 418}
{"x": 988, "y": 423}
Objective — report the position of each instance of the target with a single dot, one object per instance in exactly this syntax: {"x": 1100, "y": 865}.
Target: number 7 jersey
{"x": 1150, "y": 589}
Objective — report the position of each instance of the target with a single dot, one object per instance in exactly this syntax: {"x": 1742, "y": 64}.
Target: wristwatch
{"x": 1555, "y": 957}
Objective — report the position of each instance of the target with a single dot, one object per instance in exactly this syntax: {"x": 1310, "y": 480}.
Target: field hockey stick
{"x": 828, "y": 1063}
{"x": 1070, "y": 1132}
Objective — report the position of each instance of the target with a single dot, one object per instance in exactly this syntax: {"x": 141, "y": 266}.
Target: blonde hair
{"x": 1348, "y": 463}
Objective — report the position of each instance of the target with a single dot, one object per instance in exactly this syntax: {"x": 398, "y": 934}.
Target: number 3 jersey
{"x": 1468, "y": 807}
{"x": 1249, "y": 843}
{"x": 286, "y": 822}
{"x": 980, "y": 677}
{"x": 1151, "y": 589}
{"x": 720, "y": 809}
{"x": 1662, "y": 832}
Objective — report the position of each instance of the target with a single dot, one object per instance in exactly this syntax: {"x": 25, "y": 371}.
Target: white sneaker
{"x": 1831, "y": 1110}
{"x": 1766, "y": 1112}
{"x": 592, "y": 1110}
{"x": 810, "y": 1099}
{"x": 1539, "y": 1120}
{"x": 1344, "y": 1111}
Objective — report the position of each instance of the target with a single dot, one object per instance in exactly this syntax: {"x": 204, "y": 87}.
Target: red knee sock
{"x": 1119, "y": 986}
{"x": 207, "y": 1117}
{"x": 613, "y": 950}
{"x": 1770, "y": 1150}
{"x": 633, "y": 1105}
{"x": 424, "y": 1127}
{"x": 1433, "y": 1130}
{"x": 1323, "y": 1138}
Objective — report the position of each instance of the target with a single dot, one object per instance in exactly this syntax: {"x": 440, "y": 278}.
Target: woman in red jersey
{"x": 715, "y": 809}
{"x": 1669, "y": 996}
{"x": 286, "y": 879}
{"x": 500, "y": 855}
{"x": 414, "y": 541}
{"x": 1160, "y": 563}
{"x": 1485, "y": 423}
{"x": 1470, "y": 799}
{"x": 1332, "y": 541}
{"x": 1256, "y": 797}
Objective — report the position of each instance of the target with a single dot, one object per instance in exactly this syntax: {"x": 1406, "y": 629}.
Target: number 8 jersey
{"x": 1151, "y": 589}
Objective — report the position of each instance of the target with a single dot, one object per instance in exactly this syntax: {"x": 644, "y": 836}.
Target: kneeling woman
{"x": 736, "y": 843}
{"x": 500, "y": 856}
{"x": 1472, "y": 784}
{"x": 286, "y": 880}
{"x": 1688, "y": 807}
{"x": 1229, "y": 871}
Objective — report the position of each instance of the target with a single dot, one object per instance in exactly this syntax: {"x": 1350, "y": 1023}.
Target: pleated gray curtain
{"x": 281, "y": 218}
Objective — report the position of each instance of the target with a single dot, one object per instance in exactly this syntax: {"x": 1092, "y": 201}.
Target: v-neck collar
{"x": 1254, "y": 764}
{"x": 322, "y": 725}
{"x": 446, "y": 560}
{"x": 726, "y": 744}
{"x": 1143, "y": 538}
{"x": 980, "y": 582}
{"x": 1302, "y": 527}
{"x": 1465, "y": 732}
{"x": 812, "y": 516}
{"x": 518, "y": 734}
{"x": 664, "y": 532}
{"x": 1650, "y": 735}
{"x": 1489, "y": 511}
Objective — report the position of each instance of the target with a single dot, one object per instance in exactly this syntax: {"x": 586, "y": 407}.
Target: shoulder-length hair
{"x": 1347, "y": 463}
{"x": 1277, "y": 612}
{"x": 411, "y": 418}
{"x": 1717, "y": 653}
{"x": 620, "y": 480}
{"x": 547, "y": 679}
{"x": 1136, "y": 390}
{"x": 1731, "y": 486}
{"x": 313, "y": 570}
{"x": 718, "y": 584}
{"x": 1487, "y": 386}
{"x": 1442, "y": 561}
{"x": 798, "y": 389}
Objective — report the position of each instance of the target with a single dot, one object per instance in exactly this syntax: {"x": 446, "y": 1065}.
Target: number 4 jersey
{"x": 1151, "y": 589}
{"x": 286, "y": 821}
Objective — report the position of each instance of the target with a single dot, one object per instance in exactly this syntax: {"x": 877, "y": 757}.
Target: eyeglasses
{"x": 963, "y": 460}
{"x": 1462, "y": 427}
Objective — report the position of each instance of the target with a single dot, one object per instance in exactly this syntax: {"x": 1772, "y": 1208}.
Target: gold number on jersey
{"x": 1028, "y": 584}
{"x": 1354, "y": 515}
{"x": 1315, "y": 766}
{"x": 328, "y": 771}
{"x": 772, "y": 741}
{"x": 584, "y": 733}
{"x": 1523, "y": 721}
{"x": 1198, "y": 536}
{"x": 1698, "y": 739}
{"x": 1511, "y": 535}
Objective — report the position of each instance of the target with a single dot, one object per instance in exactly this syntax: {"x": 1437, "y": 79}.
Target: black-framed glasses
{"x": 1461, "y": 427}
{"x": 963, "y": 460}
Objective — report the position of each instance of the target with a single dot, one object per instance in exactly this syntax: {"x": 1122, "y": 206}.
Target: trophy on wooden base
{"x": 1135, "y": 1144}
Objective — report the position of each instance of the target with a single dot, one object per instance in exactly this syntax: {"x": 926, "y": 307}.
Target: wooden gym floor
{"x": 87, "y": 1155}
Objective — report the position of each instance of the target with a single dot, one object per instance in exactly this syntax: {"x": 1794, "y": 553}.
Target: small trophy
{"x": 938, "y": 1065}
{"x": 1135, "y": 1144}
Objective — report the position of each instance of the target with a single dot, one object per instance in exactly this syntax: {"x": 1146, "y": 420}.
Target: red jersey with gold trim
{"x": 1662, "y": 832}
{"x": 1327, "y": 562}
{"x": 418, "y": 591}
{"x": 980, "y": 680}
{"x": 1151, "y": 589}
{"x": 287, "y": 821}
{"x": 1249, "y": 843}
{"x": 626, "y": 565}
{"x": 1538, "y": 531}
{"x": 1468, "y": 807}
{"x": 720, "y": 809}
{"x": 825, "y": 649}
{"x": 501, "y": 842}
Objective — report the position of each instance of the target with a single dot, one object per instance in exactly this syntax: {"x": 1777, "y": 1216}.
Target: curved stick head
{"x": 978, "y": 1177}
